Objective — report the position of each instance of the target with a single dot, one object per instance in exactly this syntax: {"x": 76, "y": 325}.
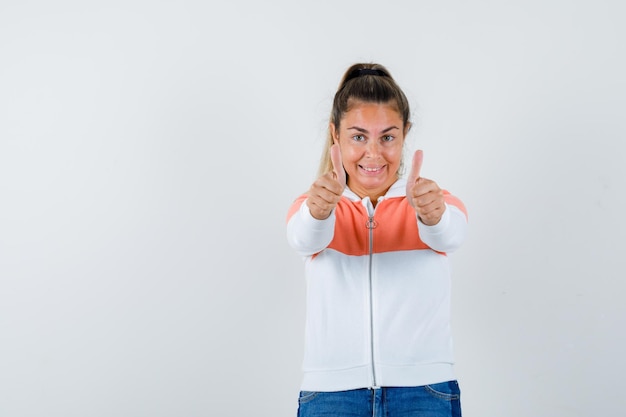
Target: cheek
{"x": 394, "y": 155}
{"x": 350, "y": 153}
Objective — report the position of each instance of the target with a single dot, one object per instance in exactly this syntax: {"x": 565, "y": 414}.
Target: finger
{"x": 335, "y": 157}
{"x": 430, "y": 215}
{"x": 429, "y": 202}
{"x": 328, "y": 189}
{"x": 416, "y": 167}
{"x": 323, "y": 196}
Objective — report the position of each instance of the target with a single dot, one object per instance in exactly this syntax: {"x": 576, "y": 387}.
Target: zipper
{"x": 371, "y": 225}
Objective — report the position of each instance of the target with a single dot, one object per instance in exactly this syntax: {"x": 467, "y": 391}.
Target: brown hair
{"x": 370, "y": 83}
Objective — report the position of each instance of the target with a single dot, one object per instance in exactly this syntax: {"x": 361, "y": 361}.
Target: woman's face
{"x": 370, "y": 136}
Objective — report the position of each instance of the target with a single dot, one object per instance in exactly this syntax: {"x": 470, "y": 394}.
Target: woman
{"x": 378, "y": 278}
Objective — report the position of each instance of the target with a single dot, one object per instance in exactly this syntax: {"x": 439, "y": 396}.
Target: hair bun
{"x": 359, "y": 72}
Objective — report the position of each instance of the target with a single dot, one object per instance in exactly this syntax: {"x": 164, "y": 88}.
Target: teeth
{"x": 371, "y": 169}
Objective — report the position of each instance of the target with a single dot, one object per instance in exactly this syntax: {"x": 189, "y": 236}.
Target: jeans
{"x": 436, "y": 400}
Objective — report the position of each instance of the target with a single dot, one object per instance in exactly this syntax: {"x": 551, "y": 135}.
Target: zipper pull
{"x": 371, "y": 223}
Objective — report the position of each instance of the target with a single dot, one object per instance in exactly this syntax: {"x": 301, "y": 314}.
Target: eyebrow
{"x": 360, "y": 129}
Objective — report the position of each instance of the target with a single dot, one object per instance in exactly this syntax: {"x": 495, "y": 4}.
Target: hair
{"x": 369, "y": 83}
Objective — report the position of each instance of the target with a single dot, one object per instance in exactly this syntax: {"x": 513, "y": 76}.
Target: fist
{"x": 326, "y": 191}
{"x": 424, "y": 195}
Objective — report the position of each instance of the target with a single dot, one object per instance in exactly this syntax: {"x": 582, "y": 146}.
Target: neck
{"x": 373, "y": 194}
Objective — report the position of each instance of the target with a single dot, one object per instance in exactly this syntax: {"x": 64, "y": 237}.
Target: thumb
{"x": 335, "y": 158}
{"x": 416, "y": 166}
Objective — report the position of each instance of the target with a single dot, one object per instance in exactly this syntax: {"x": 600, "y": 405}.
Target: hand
{"x": 424, "y": 195}
{"x": 326, "y": 191}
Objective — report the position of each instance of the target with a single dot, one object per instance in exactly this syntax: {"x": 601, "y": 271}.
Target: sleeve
{"x": 447, "y": 235}
{"x": 306, "y": 234}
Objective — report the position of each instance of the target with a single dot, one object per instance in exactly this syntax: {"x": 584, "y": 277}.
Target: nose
{"x": 373, "y": 149}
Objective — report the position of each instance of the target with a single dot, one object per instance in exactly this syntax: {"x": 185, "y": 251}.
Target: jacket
{"x": 377, "y": 291}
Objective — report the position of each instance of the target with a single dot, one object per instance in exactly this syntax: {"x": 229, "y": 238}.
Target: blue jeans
{"x": 437, "y": 400}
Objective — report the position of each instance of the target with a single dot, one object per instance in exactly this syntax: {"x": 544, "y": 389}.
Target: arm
{"x": 306, "y": 234}
{"x": 311, "y": 219}
{"x": 441, "y": 217}
{"x": 449, "y": 233}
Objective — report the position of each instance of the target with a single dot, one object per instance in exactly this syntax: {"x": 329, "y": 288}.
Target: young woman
{"x": 378, "y": 278}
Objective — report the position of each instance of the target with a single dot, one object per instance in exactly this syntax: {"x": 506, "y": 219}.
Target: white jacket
{"x": 378, "y": 292}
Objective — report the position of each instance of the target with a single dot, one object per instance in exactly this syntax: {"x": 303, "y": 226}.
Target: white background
{"x": 149, "y": 151}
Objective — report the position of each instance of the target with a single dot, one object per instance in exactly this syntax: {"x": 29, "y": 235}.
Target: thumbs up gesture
{"x": 424, "y": 195}
{"x": 326, "y": 191}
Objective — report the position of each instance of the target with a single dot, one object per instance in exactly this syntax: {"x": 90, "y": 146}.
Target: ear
{"x": 333, "y": 132}
{"x": 407, "y": 127}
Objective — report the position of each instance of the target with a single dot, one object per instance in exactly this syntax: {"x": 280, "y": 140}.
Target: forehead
{"x": 372, "y": 114}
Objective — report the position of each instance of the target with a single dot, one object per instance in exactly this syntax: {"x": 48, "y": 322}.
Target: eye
{"x": 358, "y": 138}
{"x": 387, "y": 138}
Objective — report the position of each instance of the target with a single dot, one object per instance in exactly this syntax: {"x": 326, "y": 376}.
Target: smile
{"x": 372, "y": 170}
